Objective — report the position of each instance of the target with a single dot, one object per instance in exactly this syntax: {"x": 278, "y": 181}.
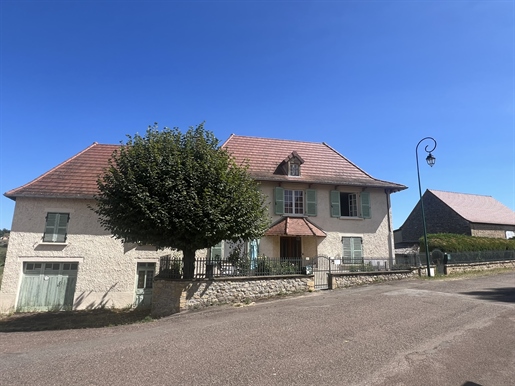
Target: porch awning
{"x": 294, "y": 226}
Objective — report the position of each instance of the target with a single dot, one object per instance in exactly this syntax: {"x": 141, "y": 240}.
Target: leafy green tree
{"x": 179, "y": 190}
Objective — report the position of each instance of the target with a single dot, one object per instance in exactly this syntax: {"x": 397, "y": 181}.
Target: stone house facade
{"x": 465, "y": 214}
{"x": 320, "y": 203}
{"x": 60, "y": 257}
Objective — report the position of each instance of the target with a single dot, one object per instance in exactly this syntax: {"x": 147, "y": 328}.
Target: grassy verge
{"x": 464, "y": 275}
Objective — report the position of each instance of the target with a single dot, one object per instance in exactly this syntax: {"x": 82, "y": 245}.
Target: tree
{"x": 179, "y": 191}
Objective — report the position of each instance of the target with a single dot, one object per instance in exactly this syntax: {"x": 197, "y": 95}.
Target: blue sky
{"x": 370, "y": 78}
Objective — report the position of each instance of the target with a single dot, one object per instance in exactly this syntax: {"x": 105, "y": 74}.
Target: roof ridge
{"x": 273, "y": 139}
{"x": 10, "y": 192}
{"x": 468, "y": 194}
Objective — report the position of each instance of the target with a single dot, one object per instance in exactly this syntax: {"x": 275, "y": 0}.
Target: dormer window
{"x": 294, "y": 168}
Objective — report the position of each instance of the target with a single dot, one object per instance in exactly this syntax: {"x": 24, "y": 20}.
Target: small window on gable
{"x": 56, "y": 227}
{"x": 294, "y": 168}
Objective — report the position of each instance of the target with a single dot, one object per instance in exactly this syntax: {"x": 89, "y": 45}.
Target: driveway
{"x": 415, "y": 332}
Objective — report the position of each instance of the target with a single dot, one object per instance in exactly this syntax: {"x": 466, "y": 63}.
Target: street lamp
{"x": 430, "y": 161}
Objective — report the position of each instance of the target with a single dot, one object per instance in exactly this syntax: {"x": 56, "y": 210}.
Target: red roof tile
{"x": 322, "y": 164}
{"x": 294, "y": 226}
{"x": 477, "y": 209}
{"x": 75, "y": 177}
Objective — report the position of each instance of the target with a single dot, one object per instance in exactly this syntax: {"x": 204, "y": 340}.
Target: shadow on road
{"x": 65, "y": 320}
{"x": 506, "y": 295}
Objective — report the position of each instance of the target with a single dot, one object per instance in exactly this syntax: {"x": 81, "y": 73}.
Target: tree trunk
{"x": 188, "y": 262}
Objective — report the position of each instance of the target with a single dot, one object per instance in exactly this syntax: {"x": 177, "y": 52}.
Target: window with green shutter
{"x": 288, "y": 201}
{"x": 56, "y": 227}
{"x": 352, "y": 250}
{"x": 345, "y": 204}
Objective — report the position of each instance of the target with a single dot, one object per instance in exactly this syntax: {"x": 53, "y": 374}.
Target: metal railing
{"x": 172, "y": 267}
{"x": 479, "y": 256}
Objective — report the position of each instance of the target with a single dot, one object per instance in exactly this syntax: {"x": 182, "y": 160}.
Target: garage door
{"x": 47, "y": 286}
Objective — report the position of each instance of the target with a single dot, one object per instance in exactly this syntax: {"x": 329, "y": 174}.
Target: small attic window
{"x": 294, "y": 167}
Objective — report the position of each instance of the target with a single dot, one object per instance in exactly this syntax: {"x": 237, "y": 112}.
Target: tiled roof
{"x": 294, "y": 226}
{"x": 477, "y": 209}
{"x": 322, "y": 164}
{"x": 75, "y": 177}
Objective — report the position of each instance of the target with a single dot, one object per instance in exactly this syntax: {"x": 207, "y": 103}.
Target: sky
{"x": 369, "y": 78}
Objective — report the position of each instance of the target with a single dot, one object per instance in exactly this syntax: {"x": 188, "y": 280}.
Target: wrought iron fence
{"x": 172, "y": 267}
{"x": 479, "y": 256}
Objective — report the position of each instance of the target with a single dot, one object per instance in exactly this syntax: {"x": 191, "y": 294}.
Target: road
{"x": 415, "y": 332}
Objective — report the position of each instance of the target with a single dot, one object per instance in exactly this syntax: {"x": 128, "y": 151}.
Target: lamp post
{"x": 430, "y": 161}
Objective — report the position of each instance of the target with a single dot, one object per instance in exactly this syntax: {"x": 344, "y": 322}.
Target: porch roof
{"x": 294, "y": 226}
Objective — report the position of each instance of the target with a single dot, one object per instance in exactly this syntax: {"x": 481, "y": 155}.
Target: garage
{"x": 47, "y": 286}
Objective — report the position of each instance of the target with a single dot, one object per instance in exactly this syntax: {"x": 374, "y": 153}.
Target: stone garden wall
{"x": 172, "y": 296}
{"x": 346, "y": 280}
{"x": 450, "y": 269}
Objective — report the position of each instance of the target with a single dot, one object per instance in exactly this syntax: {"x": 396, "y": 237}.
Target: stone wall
{"x": 172, "y": 296}
{"x": 491, "y": 230}
{"x": 346, "y": 280}
{"x": 439, "y": 219}
{"x": 450, "y": 269}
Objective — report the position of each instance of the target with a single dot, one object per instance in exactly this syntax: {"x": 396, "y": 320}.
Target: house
{"x": 60, "y": 257}
{"x": 460, "y": 213}
{"x": 319, "y": 201}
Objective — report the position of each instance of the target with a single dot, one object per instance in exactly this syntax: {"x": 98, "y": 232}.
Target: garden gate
{"x": 321, "y": 270}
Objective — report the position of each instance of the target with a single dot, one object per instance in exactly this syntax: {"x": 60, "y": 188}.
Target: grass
{"x": 464, "y": 275}
{"x": 65, "y": 320}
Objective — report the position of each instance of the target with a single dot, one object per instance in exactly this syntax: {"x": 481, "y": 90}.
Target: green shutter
{"x": 62, "y": 226}
{"x": 56, "y": 227}
{"x": 335, "y": 203}
{"x": 279, "y": 200}
{"x": 357, "y": 254}
{"x": 352, "y": 251}
{"x": 365, "y": 205}
{"x": 49, "y": 227}
{"x": 311, "y": 202}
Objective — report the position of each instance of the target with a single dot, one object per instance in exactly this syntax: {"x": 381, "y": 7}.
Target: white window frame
{"x": 294, "y": 168}
{"x": 293, "y": 201}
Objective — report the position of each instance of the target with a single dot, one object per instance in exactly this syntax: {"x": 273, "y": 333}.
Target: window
{"x": 145, "y": 275}
{"x": 293, "y": 201}
{"x": 297, "y": 202}
{"x": 294, "y": 168}
{"x": 56, "y": 227}
{"x": 217, "y": 251}
{"x": 350, "y": 204}
{"x": 352, "y": 250}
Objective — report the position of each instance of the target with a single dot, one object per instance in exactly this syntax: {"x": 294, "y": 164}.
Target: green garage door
{"x": 47, "y": 286}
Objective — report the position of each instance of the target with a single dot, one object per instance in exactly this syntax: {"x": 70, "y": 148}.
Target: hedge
{"x": 449, "y": 242}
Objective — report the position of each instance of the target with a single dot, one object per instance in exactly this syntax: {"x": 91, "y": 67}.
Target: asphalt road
{"x": 416, "y": 332}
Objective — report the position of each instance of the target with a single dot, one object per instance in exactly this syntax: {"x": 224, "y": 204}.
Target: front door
{"x": 144, "y": 283}
{"x": 47, "y": 286}
{"x": 291, "y": 250}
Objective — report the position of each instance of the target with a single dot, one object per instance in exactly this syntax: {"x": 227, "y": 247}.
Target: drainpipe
{"x": 390, "y": 233}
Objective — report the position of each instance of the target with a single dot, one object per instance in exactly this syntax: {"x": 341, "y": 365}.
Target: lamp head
{"x": 430, "y": 160}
